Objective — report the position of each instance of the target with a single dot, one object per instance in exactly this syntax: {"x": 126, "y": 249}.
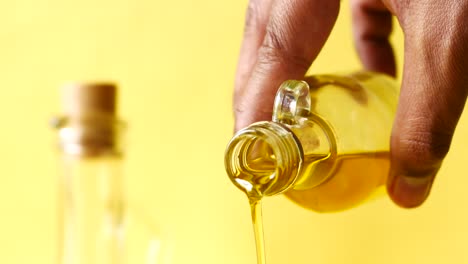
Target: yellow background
{"x": 175, "y": 63}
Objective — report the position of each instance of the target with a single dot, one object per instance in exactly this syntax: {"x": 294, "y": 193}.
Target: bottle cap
{"x": 89, "y": 126}
{"x": 79, "y": 99}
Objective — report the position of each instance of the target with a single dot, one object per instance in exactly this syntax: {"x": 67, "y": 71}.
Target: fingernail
{"x": 410, "y": 191}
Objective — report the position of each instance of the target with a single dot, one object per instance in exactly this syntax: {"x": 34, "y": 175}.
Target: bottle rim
{"x": 287, "y": 151}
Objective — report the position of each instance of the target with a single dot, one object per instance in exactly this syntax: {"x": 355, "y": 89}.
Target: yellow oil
{"x": 343, "y": 134}
{"x": 355, "y": 177}
{"x": 257, "y": 221}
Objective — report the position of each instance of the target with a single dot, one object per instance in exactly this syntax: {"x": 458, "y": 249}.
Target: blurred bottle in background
{"x": 91, "y": 202}
{"x": 97, "y": 223}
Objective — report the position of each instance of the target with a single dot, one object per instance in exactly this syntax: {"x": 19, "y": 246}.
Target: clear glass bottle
{"x": 91, "y": 197}
{"x": 327, "y": 146}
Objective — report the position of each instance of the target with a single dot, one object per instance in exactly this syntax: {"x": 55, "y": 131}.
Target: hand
{"x": 283, "y": 37}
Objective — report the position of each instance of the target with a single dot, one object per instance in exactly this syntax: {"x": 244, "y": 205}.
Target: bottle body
{"x": 92, "y": 210}
{"x": 341, "y": 125}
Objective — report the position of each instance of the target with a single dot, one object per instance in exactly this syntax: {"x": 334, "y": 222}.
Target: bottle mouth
{"x": 263, "y": 159}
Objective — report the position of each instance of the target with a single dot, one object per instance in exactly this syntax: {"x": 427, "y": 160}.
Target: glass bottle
{"x": 91, "y": 199}
{"x": 327, "y": 146}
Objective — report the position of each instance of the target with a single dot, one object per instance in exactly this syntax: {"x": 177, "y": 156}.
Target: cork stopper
{"x": 89, "y": 126}
{"x": 81, "y": 99}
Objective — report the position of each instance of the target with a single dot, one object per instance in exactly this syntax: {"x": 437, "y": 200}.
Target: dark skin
{"x": 283, "y": 37}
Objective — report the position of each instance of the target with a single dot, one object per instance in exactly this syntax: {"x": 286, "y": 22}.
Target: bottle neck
{"x": 264, "y": 159}
{"x": 293, "y": 107}
{"x": 319, "y": 144}
{"x": 90, "y": 136}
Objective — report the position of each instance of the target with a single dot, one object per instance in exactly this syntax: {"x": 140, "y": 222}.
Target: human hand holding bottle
{"x": 283, "y": 37}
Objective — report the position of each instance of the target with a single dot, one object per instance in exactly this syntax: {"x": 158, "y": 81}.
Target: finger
{"x": 372, "y": 25}
{"x": 432, "y": 98}
{"x": 257, "y": 15}
{"x": 296, "y": 31}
